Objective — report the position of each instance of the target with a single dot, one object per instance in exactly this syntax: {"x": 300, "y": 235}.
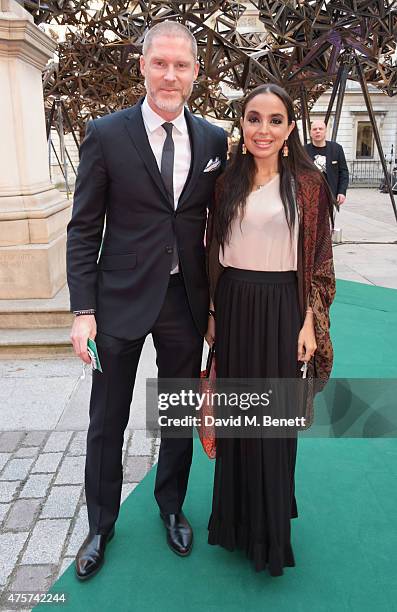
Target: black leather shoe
{"x": 91, "y": 555}
{"x": 179, "y": 533}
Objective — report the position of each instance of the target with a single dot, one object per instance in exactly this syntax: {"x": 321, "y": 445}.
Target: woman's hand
{"x": 307, "y": 340}
{"x": 210, "y": 335}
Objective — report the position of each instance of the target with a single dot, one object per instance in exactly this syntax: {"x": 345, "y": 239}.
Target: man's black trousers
{"x": 178, "y": 347}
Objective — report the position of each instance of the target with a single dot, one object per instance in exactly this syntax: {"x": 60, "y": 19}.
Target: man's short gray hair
{"x": 170, "y": 28}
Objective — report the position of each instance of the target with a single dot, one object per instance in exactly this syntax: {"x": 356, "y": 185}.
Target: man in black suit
{"x": 329, "y": 157}
{"x": 151, "y": 171}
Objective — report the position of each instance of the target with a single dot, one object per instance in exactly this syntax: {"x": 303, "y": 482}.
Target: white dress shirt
{"x": 180, "y": 135}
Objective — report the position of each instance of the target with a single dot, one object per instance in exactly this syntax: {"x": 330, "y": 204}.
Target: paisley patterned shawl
{"x": 316, "y": 278}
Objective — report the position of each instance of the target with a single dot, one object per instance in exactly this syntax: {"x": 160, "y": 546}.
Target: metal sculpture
{"x": 306, "y": 46}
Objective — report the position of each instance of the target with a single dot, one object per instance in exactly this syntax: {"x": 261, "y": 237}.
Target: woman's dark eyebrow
{"x": 258, "y": 113}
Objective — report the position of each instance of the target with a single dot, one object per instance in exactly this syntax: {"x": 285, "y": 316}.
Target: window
{"x": 365, "y": 140}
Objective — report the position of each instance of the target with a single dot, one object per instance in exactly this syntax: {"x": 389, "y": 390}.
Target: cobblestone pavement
{"x": 43, "y": 516}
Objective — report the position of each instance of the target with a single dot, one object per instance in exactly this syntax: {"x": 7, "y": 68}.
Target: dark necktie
{"x": 167, "y": 161}
{"x": 167, "y": 174}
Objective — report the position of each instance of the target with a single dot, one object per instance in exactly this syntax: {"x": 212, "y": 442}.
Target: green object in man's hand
{"x": 93, "y": 353}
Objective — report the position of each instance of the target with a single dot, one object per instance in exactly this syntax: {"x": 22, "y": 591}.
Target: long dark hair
{"x": 238, "y": 179}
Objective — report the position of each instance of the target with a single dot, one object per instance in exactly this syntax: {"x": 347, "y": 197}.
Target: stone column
{"x": 33, "y": 215}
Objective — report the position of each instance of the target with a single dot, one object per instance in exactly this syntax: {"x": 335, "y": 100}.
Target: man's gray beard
{"x": 167, "y": 107}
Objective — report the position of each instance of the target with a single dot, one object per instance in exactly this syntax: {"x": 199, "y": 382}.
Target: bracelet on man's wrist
{"x": 79, "y": 313}
{"x": 211, "y": 313}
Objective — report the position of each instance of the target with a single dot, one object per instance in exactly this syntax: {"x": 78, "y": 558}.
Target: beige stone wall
{"x": 33, "y": 215}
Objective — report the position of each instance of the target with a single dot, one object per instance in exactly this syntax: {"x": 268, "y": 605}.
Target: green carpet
{"x": 345, "y": 539}
{"x": 364, "y": 331}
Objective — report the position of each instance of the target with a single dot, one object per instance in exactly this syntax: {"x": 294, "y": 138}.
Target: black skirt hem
{"x": 262, "y": 554}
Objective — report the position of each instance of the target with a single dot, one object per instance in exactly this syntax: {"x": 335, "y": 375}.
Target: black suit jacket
{"x": 119, "y": 180}
{"x": 337, "y": 170}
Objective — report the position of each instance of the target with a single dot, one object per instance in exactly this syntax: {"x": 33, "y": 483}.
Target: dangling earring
{"x": 244, "y": 149}
{"x": 285, "y": 149}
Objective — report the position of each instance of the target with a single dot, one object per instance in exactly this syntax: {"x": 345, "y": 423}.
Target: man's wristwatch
{"x": 211, "y": 313}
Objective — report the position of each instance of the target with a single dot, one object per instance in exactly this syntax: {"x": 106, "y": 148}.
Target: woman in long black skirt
{"x": 272, "y": 282}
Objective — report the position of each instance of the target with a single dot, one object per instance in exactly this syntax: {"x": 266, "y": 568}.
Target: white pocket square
{"x": 212, "y": 165}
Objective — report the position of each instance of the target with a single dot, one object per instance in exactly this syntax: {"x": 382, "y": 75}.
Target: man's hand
{"x": 84, "y": 327}
{"x": 340, "y": 198}
{"x": 210, "y": 335}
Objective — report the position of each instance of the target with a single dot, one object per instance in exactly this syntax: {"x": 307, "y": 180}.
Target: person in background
{"x": 329, "y": 158}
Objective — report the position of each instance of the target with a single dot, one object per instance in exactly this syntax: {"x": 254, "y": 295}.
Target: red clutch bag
{"x": 207, "y": 385}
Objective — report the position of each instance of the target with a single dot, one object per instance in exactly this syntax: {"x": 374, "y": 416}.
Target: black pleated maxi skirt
{"x": 257, "y": 328}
